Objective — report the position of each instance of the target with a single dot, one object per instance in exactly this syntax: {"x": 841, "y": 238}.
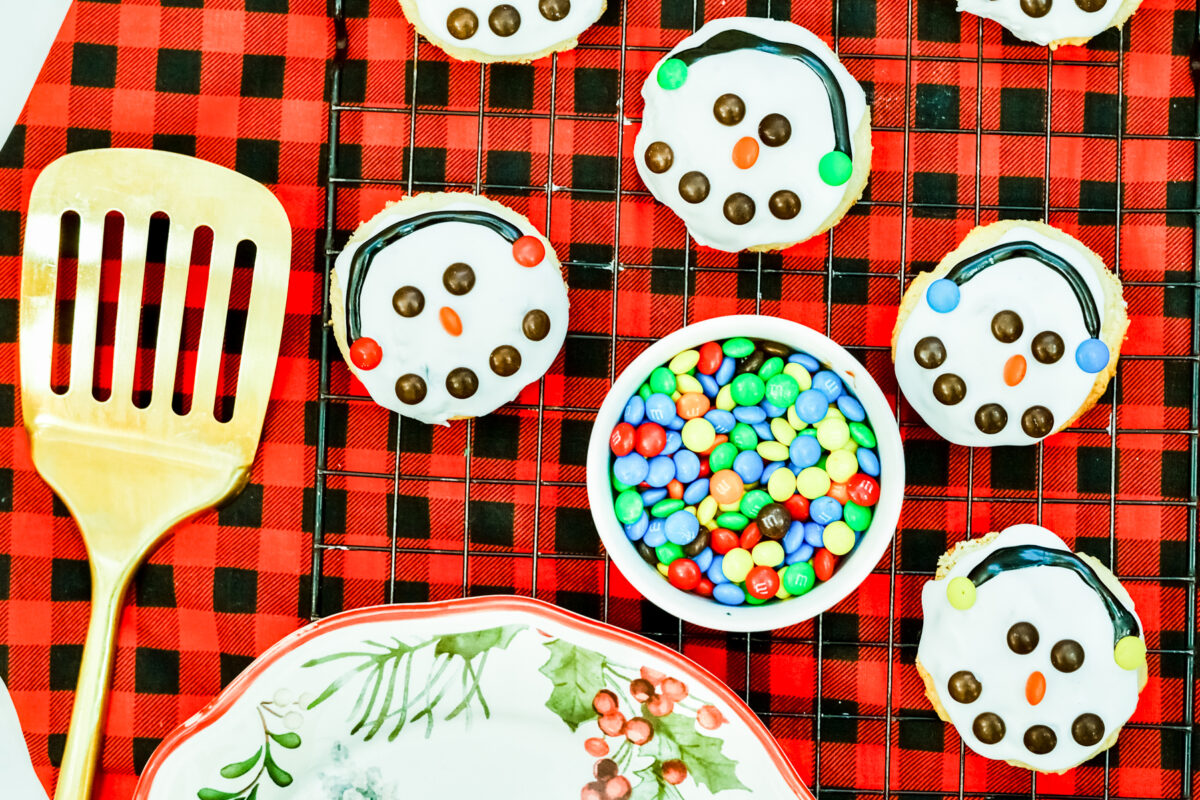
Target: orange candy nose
{"x": 745, "y": 152}
{"x": 450, "y": 321}
{"x": 1014, "y": 370}
{"x": 1035, "y": 688}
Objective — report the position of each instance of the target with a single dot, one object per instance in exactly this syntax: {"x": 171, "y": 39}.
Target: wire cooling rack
{"x": 815, "y": 733}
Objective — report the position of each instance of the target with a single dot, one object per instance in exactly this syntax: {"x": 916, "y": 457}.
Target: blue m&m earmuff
{"x": 1091, "y": 356}
{"x": 836, "y": 166}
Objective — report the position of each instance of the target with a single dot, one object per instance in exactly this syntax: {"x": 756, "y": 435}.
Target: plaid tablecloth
{"x": 972, "y": 126}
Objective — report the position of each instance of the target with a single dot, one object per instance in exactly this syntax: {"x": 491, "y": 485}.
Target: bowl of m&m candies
{"x": 745, "y": 473}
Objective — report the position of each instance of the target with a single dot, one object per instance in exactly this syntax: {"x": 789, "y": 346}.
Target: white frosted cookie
{"x": 1054, "y": 22}
{"x": 446, "y": 305}
{"x": 516, "y": 31}
{"x": 755, "y": 134}
{"x": 1035, "y": 654}
{"x": 1011, "y": 337}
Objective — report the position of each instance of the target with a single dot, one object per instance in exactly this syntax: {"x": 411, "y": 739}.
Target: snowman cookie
{"x": 755, "y": 134}
{"x": 1033, "y": 653}
{"x": 445, "y": 306}
{"x": 1054, "y": 22}
{"x": 1011, "y": 337}
{"x": 516, "y": 31}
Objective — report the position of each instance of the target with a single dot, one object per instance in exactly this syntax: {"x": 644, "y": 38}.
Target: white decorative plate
{"x": 478, "y": 698}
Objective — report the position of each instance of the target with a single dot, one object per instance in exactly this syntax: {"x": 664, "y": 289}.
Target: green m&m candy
{"x": 799, "y": 578}
{"x": 856, "y": 516}
{"x": 668, "y": 552}
{"x": 672, "y": 74}
{"x": 738, "y": 347}
{"x": 770, "y": 368}
{"x": 628, "y": 506}
{"x": 723, "y": 455}
{"x": 731, "y": 520}
{"x": 782, "y": 390}
{"x": 835, "y": 167}
{"x": 666, "y": 507}
{"x": 747, "y": 389}
{"x": 753, "y": 502}
{"x": 662, "y": 380}
{"x": 743, "y": 437}
{"x": 862, "y": 434}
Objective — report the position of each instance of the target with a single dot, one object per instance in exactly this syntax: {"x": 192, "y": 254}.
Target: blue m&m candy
{"x": 1092, "y": 356}
{"x": 812, "y": 405}
{"x": 661, "y": 471}
{"x": 828, "y": 384}
{"x": 636, "y": 530}
{"x": 804, "y": 451}
{"x": 749, "y": 466}
{"x": 682, "y": 527}
{"x": 696, "y": 491}
{"x": 687, "y": 466}
{"x": 750, "y": 415}
{"x": 631, "y": 469}
{"x": 942, "y": 295}
{"x": 825, "y": 510}
{"x": 635, "y": 411}
{"x": 851, "y": 409}
{"x": 729, "y": 593}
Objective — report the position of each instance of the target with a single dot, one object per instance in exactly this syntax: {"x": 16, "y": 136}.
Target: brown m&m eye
{"x": 1091, "y": 5}
{"x": 930, "y": 353}
{"x": 1022, "y": 638}
{"x": 1087, "y": 729}
{"x": 1047, "y": 347}
{"x": 949, "y": 389}
{"x": 1007, "y": 326}
{"x": 729, "y": 109}
{"x": 964, "y": 687}
{"x": 991, "y": 418}
{"x": 1037, "y": 422}
{"x": 504, "y": 20}
{"x": 536, "y": 325}
{"x": 554, "y": 10}
{"x": 458, "y": 278}
{"x": 774, "y": 130}
{"x": 659, "y": 157}
{"x": 1040, "y": 740}
{"x": 408, "y": 301}
{"x": 693, "y": 187}
{"x": 462, "y": 23}
{"x": 1036, "y": 8}
{"x": 461, "y": 383}
{"x": 988, "y": 728}
{"x": 410, "y": 389}
{"x": 784, "y": 204}
{"x": 738, "y": 208}
{"x": 505, "y": 360}
{"x": 1067, "y": 655}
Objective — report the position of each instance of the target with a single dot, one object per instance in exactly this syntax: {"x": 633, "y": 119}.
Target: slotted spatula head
{"x": 129, "y": 474}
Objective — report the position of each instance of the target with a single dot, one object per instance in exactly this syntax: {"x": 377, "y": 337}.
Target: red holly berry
{"x": 596, "y": 746}
{"x": 653, "y": 675}
{"x": 605, "y": 702}
{"x": 660, "y": 706}
{"x": 674, "y": 689}
{"x": 674, "y": 771}
{"x": 593, "y": 791}
{"x": 604, "y": 769}
{"x": 366, "y": 353}
{"x": 618, "y": 788}
{"x": 641, "y": 689}
{"x": 612, "y": 724}
{"x": 638, "y": 731}
{"x": 710, "y": 718}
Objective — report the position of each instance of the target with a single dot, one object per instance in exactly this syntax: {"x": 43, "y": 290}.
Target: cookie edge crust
{"x": 479, "y": 56}
{"x": 946, "y": 562}
{"x": 1126, "y": 10}
{"x": 1116, "y": 319}
{"x": 408, "y": 207}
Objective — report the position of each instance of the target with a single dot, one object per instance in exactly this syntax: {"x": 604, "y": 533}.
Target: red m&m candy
{"x": 762, "y": 583}
{"x": 683, "y": 573}
{"x": 711, "y": 356}
{"x": 366, "y": 353}
{"x": 797, "y": 506}
{"x": 529, "y": 251}
{"x": 863, "y": 489}
{"x": 722, "y": 541}
{"x": 675, "y": 490}
{"x": 621, "y": 439}
{"x": 823, "y": 563}
{"x": 650, "y": 439}
{"x": 750, "y": 537}
{"x": 704, "y": 588}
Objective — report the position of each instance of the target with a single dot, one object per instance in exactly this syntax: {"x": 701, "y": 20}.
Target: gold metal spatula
{"x": 129, "y": 474}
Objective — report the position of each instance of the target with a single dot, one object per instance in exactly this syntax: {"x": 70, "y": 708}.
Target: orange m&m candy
{"x": 692, "y": 405}
{"x": 726, "y": 487}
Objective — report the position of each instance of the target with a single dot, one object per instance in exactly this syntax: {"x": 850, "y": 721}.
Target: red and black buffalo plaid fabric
{"x": 348, "y": 506}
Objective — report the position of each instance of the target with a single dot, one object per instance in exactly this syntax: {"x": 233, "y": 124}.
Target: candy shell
{"x": 733, "y": 521}
{"x": 728, "y": 594}
{"x": 652, "y": 496}
{"x": 738, "y": 347}
{"x": 715, "y": 573}
{"x": 684, "y": 574}
{"x": 799, "y": 579}
{"x": 661, "y": 472}
{"x": 825, "y": 510}
{"x": 832, "y": 433}
{"x": 726, "y": 486}
{"x": 674, "y": 442}
{"x": 784, "y": 433}
{"x": 722, "y": 540}
{"x": 709, "y": 358}
{"x": 668, "y": 553}
{"x": 743, "y": 436}
{"x": 750, "y": 537}
{"x": 863, "y": 489}
{"x": 660, "y": 408}
{"x": 811, "y": 406}
{"x": 722, "y": 421}
{"x": 747, "y": 389}
{"x": 684, "y": 362}
{"x": 812, "y": 482}
{"x": 724, "y": 399}
{"x": 725, "y": 372}
{"x": 782, "y": 485}
{"x": 804, "y": 451}
{"x": 651, "y": 438}
{"x": 687, "y": 466}
{"x": 662, "y": 380}
{"x": 841, "y": 465}
{"x": 710, "y": 386}
{"x": 824, "y": 563}
{"x": 698, "y": 434}
{"x": 768, "y": 553}
{"x": 814, "y": 534}
{"x": 868, "y": 461}
{"x": 851, "y": 408}
{"x": 773, "y": 451}
{"x": 637, "y": 530}
{"x": 839, "y": 538}
{"x": 794, "y": 537}
{"x": 628, "y": 506}
{"x": 802, "y": 376}
{"x": 665, "y": 508}
{"x": 805, "y": 360}
{"x": 682, "y": 528}
{"x": 696, "y": 491}
{"x": 862, "y": 434}
{"x": 770, "y": 368}
{"x": 620, "y": 441}
{"x": 687, "y": 384}
{"x": 635, "y": 411}
{"x": 827, "y": 383}
{"x": 749, "y": 466}
{"x": 675, "y": 489}
{"x": 782, "y": 390}
{"x": 762, "y": 583}
{"x": 797, "y": 506}
{"x": 737, "y": 565}
{"x": 631, "y": 469}
{"x": 803, "y": 553}
{"x": 750, "y": 414}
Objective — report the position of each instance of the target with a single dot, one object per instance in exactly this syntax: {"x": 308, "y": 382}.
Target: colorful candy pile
{"x": 744, "y": 470}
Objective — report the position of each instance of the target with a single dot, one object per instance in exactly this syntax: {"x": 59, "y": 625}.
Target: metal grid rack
{"x": 329, "y": 354}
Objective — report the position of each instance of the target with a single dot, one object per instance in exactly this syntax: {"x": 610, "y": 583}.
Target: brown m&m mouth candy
{"x": 447, "y": 305}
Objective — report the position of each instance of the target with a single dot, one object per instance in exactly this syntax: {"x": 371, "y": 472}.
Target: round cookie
{"x": 1011, "y": 337}
{"x": 446, "y": 305}
{"x": 754, "y": 134}
{"x": 1054, "y": 22}
{"x": 516, "y": 31}
{"x": 1033, "y": 653}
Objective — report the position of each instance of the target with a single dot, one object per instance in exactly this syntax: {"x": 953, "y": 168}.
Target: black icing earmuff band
{"x": 964, "y": 271}
{"x": 1006, "y": 559}
{"x": 732, "y": 40}
{"x": 395, "y": 232}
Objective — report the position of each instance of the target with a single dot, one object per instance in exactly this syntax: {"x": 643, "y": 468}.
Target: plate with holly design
{"x": 474, "y": 698}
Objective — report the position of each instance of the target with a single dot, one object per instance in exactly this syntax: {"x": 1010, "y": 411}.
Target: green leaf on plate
{"x": 289, "y": 740}
{"x": 253, "y": 793}
{"x": 279, "y": 777}
{"x": 469, "y": 645}
{"x": 701, "y": 754}
{"x": 215, "y": 794}
{"x": 240, "y": 768}
{"x": 577, "y": 674}
{"x": 652, "y": 786}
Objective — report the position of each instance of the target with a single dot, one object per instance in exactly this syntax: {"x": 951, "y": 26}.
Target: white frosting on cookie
{"x": 1066, "y": 19}
{"x": 1044, "y": 301}
{"x": 683, "y": 118}
{"x": 491, "y": 312}
{"x": 1060, "y": 606}
{"x": 539, "y": 24}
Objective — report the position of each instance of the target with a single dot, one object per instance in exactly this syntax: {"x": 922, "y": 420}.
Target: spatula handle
{"x": 91, "y": 692}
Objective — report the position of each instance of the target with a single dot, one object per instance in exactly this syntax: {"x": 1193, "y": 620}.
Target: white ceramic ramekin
{"x": 851, "y": 569}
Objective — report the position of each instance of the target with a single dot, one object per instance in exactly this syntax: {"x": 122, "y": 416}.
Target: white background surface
{"x": 27, "y": 29}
